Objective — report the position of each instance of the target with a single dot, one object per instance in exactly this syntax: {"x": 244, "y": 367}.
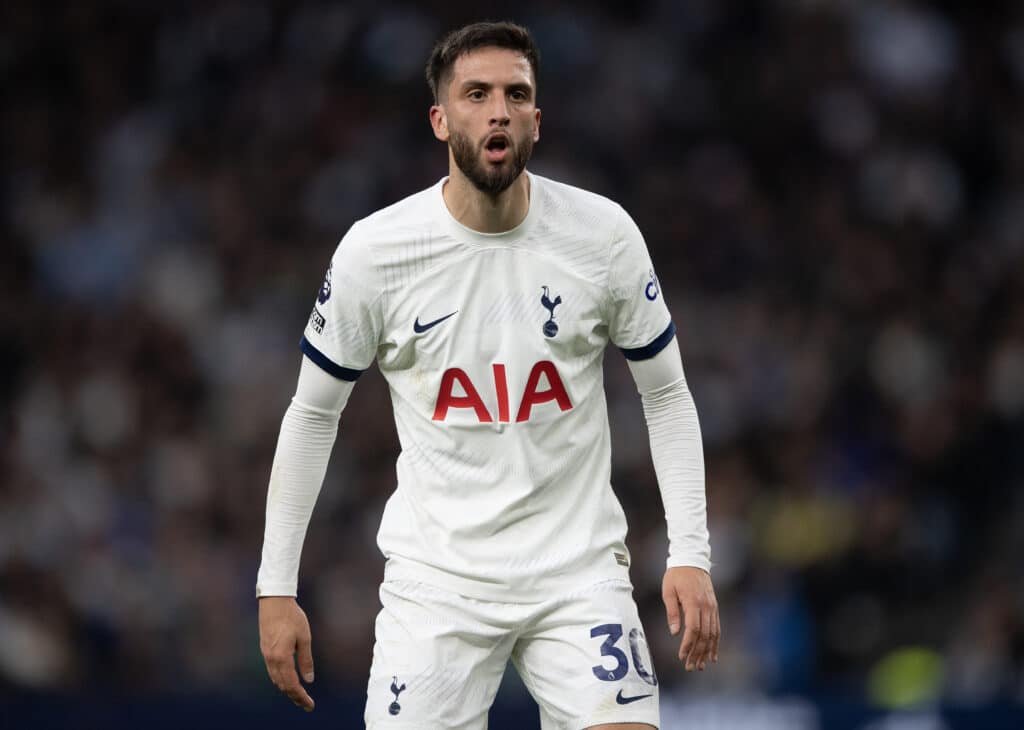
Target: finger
{"x": 700, "y": 644}
{"x": 282, "y": 673}
{"x": 671, "y": 600}
{"x": 708, "y": 621}
{"x": 717, "y": 635}
{"x": 295, "y": 691}
{"x": 274, "y": 671}
{"x": 306, "y": 658}
{"x": 714, "y": 633}
{"x": 690, "y": 636}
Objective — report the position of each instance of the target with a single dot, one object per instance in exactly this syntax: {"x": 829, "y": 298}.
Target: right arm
{"x": 308, "y": 431}
{"x": 340, "y": 341}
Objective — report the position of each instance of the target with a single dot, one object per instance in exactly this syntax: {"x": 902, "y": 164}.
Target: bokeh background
{"x": 833, "y": 193}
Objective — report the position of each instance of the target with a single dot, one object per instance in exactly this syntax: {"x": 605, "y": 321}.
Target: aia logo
{"x": 533, "y": 394}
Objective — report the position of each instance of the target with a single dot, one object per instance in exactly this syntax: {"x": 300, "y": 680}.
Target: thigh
{"x": 586, "y": 662}
{"x": 437, "y": 660}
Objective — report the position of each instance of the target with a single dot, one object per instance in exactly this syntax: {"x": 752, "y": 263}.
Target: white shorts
{"x": 440, "y": 656}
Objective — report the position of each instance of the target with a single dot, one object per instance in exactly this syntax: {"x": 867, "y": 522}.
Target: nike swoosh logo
{"x": 626, "y": 700}
{"x": 421, "y": 328}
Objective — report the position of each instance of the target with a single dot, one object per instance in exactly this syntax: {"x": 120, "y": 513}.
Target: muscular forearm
{"x": 308, "y": 430}
{"x": 678, "y": 455}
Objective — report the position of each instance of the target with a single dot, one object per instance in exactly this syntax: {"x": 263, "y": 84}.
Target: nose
{"x": 499, "y": 111}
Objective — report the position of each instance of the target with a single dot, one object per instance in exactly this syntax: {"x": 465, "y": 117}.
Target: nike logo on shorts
{"x": 421, "y": 328}
{"x": 626, "y": 700}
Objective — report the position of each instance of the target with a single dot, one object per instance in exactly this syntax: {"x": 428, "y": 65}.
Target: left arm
{"x": 678, "y": 456}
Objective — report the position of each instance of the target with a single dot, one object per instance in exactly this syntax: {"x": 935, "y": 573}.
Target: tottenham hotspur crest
{"x": 394, "y": 708}
{"x": 550, "y": 327}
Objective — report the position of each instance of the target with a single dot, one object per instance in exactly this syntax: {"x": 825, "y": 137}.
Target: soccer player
{"x": 487, "y": 301}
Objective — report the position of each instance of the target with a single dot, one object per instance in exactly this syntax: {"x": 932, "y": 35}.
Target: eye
{"x": 476, "y": 95}
{"x": 518, "y": 95}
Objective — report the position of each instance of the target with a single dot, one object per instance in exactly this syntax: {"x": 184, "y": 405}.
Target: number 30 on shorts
{"x": 613, "y": 632}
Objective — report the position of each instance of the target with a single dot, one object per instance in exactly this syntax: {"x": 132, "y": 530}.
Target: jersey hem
{"x": 691, "y": 562}
{"x": 610, "y": 718}
{"x": 276, "y": 589}
{"x": 650, "y": 350}
{"x": 326, "y": 364}
{"x": 542, "y": 589}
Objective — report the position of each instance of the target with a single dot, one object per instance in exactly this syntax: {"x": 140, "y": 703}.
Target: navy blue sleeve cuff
{"x": 648, "y": 351}
{"x": 326, "y": 364}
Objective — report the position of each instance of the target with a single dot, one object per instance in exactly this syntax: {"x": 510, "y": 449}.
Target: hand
{"x": 691, "y": 588}
{"x": 284, "y": 630}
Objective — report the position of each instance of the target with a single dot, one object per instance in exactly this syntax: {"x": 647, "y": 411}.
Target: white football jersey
{"x": 492, "y": 347}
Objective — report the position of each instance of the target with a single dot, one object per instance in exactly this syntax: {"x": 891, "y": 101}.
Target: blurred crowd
{"x": 833, "y": 194}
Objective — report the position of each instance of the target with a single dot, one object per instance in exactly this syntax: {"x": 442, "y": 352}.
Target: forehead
{"x": 493, "y": 65}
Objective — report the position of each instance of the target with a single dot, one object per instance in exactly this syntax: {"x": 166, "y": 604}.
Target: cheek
{"x": 458, "y": 125}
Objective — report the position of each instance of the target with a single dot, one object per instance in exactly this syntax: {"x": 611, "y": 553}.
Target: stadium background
{"x": 833, "y": 193}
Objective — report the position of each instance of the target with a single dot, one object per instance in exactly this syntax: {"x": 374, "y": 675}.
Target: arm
{"x": 308, "y": 430}
{"x": 678, "y": 456}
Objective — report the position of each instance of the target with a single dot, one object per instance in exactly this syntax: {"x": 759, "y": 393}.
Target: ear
{"x": 536, "y": 125}
{"x": 439, "y": 122}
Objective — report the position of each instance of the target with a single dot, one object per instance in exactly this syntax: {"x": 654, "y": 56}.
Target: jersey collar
{"x": 513, "y": 235}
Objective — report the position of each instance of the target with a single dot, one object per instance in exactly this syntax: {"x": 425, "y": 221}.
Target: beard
{"x": 490, "y": 179}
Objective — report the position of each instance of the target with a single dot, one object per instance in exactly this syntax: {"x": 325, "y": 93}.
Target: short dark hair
{"x": 468, "y": 38}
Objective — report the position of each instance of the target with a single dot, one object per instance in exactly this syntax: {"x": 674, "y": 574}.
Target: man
{"x": 487, "y": 301}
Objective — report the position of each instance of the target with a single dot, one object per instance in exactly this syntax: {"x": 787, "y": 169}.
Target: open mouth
{"x": 497, "y": 147}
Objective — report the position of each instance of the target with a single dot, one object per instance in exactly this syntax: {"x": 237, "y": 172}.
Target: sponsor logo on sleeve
{"x": 325, "y": 289}
{"x": 653, "y": 288}
{"x": 317, "y": 321}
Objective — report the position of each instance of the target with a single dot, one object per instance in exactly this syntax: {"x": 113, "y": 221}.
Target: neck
{"x": 482, "y": 212}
